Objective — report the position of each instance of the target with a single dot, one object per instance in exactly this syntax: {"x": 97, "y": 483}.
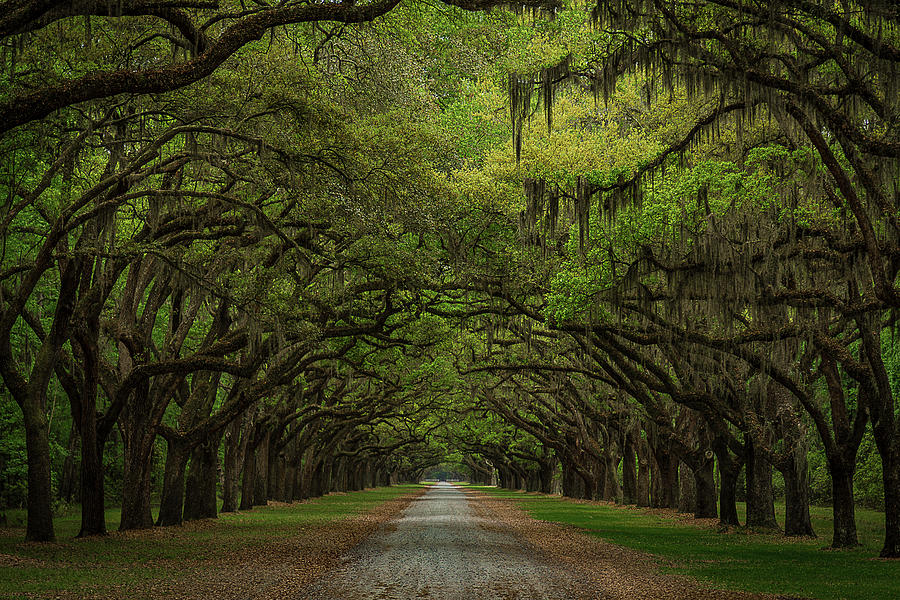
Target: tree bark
{"x": 260, "y": 483}
{"x": 71, "y": 476}
{"x": 890, "y": 464}
{"x": 729, "y": 470}
{"x": 200, "y": 497}
{"x": 643, "y": 475}
{"x": 687, "y": 493}
{"x": 629, "y": 471}
{"x": 666, "y": 478}
{"x": 888, "y": 442}
{"x": 136, "y": 511}
{"x": 705, "y": 490}
{"x": 843, "y": 507}
{"x": 93, "y": 506}
{"x": 236, "y": 439}
{"x": 760, "y": 496}
{"x": 172, "y": 499}
{"x": 39, "y": 527}
{"x": 248, "y": 478}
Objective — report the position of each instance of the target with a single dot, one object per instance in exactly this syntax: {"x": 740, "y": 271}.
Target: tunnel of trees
{"x": 635, "y": 250}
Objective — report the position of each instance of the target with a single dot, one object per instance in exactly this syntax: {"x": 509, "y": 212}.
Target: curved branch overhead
{"x": 23, "y": 106}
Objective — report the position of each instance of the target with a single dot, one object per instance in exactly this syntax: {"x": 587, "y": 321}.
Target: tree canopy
{"x": 640, "y": 250}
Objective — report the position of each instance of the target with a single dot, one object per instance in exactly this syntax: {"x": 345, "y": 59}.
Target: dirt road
{"x": 440, "y": 548}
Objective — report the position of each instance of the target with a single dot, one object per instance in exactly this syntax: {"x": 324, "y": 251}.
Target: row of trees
{"x": 305, "y": 258}
{"x": 728, "y": 294}
{"x": 234, "y": 269}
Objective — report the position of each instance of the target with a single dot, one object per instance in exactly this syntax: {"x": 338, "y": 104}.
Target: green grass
{"x": 120, "y": 559}
{"x": 738, "y": 560}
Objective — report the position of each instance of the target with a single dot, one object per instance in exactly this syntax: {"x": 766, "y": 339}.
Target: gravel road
{"x": 439, "y": 548}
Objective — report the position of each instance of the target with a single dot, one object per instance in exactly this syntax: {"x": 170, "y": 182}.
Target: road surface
{"x": 439, "y": 548}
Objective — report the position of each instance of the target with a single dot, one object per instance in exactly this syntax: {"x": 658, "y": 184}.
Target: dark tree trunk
{"x": 290, "y": 481}
{"x": 795, "y": 471}
{"x": 70, "y": 477}
{"x": 93, "y": 506}
{"x": 248, "y": 478}
{"x": 644, "y": 470}
{"x": 138, "y": 455}
{"x": 572, "y": 484}
{"x": 705, "y": 490}
{"x": 273, "y": 459}
{"x": 200, "y": 498}
{"x": 687, "y": 492}
{"x": 172, "y": 500}
{"x": 666, "y": 478}
{"x": 729, "y": 470}
{"x": 237, "y": 437}
{"x": 891, "y": 477}
{"x": 629, "y": 472}
{"x": 547, "y": 466}
{"x": 760, "y": 497}
{"x": 843, "y": 507}
{"x": 279, "y": 471}
{"x": 888, "y": 442}
{"x": 613, "y": 489}
{"x": 327, "y": 476}
{"x": 260, "y": 484}
{"x": 590, "y": 486}
{"x": 39, "y": 527}
{"x": 31, "y": 396}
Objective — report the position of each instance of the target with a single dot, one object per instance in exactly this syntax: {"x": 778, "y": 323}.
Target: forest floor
{"x": 267, "y": 553}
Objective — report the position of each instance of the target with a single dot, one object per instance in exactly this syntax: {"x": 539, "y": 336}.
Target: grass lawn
{"x": 126, "y": 558}
{"x": 737, "y": 560}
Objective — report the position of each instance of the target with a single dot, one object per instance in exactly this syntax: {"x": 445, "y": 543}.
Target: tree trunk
{"x": 70, "y": 477}
{"x": 613, "y": 489}
{"x": 236, "y": 439}
{"x": 705, "y": 490}
{"x": 545, "y": 472}
{"x": 136, "y": 513}
{"x": 843, "y": 507}
{"x": 888, "y": 442}
{"x": 93, "y": 505}
{"x": 137, "y": 439}
{"x": 665, "y": 484}
{"x": 84, "y": 415}
{"x": 39, "y": 526}
{"x": 172, "y": 500}
{"x": 729, "y": 470}
{"x": 572, "y": 484}
{"x": 260, "y": 484}
{"x": 200, "y": 498}
{"x": 643, "y": 475}
{"x": 248, "y": 479}
{"x": 629, "y": 472}
{"x": 687, "y": 493}
{"x": 795, "y": 471}
{"x": 591, "y": 485}
{"x": 760, "y": 497}
{"x": 890, "y": 464}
